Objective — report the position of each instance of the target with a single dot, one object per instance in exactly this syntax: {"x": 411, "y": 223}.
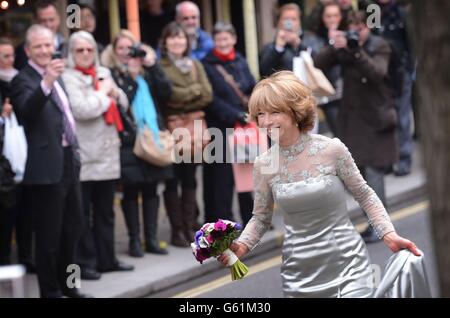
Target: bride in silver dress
{"x": 323, "y": 254}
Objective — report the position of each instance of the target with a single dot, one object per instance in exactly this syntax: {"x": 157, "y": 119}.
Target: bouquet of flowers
{"x": 214, "y": 239}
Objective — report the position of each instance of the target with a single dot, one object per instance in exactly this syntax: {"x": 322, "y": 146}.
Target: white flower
{"x": 194, "y": 248}
{"x": 204, "y": 243}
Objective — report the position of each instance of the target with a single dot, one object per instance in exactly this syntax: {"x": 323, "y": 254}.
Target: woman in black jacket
{"x": 226, "y": 109}
{"x": 15, "y": 212}
{"x": 137, "y": 175}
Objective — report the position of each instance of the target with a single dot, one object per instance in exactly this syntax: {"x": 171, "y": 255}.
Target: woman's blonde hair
{"x": 284, "y": 92}
{"x": 108, "y": 57}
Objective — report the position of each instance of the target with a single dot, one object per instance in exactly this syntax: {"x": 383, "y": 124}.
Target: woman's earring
{"x": 296, "y": 125}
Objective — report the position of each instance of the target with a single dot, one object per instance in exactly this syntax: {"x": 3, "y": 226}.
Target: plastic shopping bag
{"x": 15, "y": 146}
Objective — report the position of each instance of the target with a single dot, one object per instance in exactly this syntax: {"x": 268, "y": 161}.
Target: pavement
{"x": 154, "y": 273}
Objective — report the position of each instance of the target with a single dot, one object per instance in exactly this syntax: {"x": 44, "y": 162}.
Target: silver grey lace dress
{"x": 323, "y": 254}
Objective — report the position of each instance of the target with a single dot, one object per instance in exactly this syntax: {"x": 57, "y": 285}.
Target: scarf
{"x": 184, "y": 64}
{"x": 144, "y": 109}
{"x": 112, "y": 115}
{"x": 225, "y": 57}
{"x": 7, "y": 75}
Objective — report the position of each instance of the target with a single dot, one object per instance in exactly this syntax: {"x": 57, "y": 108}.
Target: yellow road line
{"x": 191, "y": 293}
{"x": 401, "y": 214}
{"x": 276, "y": 261}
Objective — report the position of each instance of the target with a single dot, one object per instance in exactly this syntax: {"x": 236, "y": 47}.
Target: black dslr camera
{"x": 352, "y": 39}
{"x": 137, "y": 51}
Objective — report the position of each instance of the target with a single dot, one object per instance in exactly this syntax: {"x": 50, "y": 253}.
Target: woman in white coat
{"x": 95, "y": 99}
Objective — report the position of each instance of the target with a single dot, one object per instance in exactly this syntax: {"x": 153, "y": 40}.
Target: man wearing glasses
{"x": 187, "y": 14}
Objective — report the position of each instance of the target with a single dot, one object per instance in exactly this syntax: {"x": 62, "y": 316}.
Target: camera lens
{"x": 137, "y": 51}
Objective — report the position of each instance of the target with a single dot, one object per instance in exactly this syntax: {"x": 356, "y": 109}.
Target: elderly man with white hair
{"x": 95, "y": 100}
{"x": 52, "y": 169}
{"x": 187, "y": 14}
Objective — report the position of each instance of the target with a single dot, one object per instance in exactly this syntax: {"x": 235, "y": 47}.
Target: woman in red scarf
{"x": 232, "y": 82}
{"x": 95, "y": 99}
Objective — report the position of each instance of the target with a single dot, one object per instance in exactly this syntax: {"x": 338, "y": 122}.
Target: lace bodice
{"x": 312, "y": 157}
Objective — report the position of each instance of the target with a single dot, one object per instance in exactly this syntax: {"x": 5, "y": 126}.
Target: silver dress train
{"x": 323, "y": 254}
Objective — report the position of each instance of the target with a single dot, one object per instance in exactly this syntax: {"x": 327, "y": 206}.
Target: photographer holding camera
{"x": 136, "y": 71}
{"x": 367, "y": 117}
{"x": 279, "y": 54}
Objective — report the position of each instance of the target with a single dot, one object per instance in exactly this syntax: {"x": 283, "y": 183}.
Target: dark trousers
{"x": 331, "y": 110}
{"x": 57, "y": 218}
{"x": 404, "y": 109}
{"x": 184, "y": 175}
{"x": 148, "y": 190}
{"x": 18, "y": 218}
{"x": 375, "y": 179}
{"x": 96, "y": 246}
{"x": 218, "y": 189}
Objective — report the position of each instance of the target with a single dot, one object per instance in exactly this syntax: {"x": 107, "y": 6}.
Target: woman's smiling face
{"x": 278, "y": 124}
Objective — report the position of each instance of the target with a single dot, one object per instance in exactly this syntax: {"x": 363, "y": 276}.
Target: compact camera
{"x": 137, "y": 51}
{"x": 288, "y": 25}
{"x": 352, "y": 39}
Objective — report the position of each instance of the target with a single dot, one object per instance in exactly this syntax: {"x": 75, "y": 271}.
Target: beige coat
{"x": 99, "y": 142}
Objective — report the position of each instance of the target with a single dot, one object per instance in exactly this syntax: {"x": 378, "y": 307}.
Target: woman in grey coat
{"x": 95, "y": 99}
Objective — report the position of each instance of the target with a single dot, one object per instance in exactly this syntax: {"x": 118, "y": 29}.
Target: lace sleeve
{"x": 263, "y": 208}
{"x": 348, "y": 172}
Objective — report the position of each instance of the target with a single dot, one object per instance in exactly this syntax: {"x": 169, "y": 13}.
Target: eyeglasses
{"x": 82, "y": 49}
{"x": 194, "y": 17}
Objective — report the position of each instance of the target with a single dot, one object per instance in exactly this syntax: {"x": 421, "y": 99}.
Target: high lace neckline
{"x": 296, "y": 148}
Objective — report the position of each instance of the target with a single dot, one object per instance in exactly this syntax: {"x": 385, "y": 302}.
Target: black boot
{"x": 195, "y": 224}
{"x": 131, "y": 213}
{"x": 189, "y": 206}
{"x": 150, "y": 209}
{"x": 174, "y": 212}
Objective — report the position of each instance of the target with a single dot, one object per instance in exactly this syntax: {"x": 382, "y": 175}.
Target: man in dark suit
{"x": 46, "y": 14}
{"x": 52, "y": 168}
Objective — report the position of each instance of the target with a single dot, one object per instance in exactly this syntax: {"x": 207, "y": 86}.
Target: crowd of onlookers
{"x": 81, "y": 113}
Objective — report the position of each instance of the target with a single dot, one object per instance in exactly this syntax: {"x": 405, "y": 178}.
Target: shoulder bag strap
{"x": 230, "y": 80}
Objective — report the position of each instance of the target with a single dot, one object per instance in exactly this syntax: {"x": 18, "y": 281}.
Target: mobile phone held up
{"x": 288, "y": 25}
{"x": 56, "y": 55}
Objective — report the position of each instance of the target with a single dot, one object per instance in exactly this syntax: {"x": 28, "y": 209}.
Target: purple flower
{"x": 237, "y": 227}
{"x": 202, "y": 254}
{"x": 198, "y": 236}
{"x": 220, "y": 226}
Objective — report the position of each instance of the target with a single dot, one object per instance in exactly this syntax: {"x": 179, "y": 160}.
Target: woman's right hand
{"x": 106, "y": 86}
{"x": 240, "y": 249}
{"x": 280, "y": 40}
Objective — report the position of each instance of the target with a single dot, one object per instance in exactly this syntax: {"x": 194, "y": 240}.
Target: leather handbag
{"x": 147, "y": 149}
{"x": 197, "y": 132}
{"x": 317, "y": 81}
{"x": 304, "y": 69}
{"x": 196, "y": 139}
